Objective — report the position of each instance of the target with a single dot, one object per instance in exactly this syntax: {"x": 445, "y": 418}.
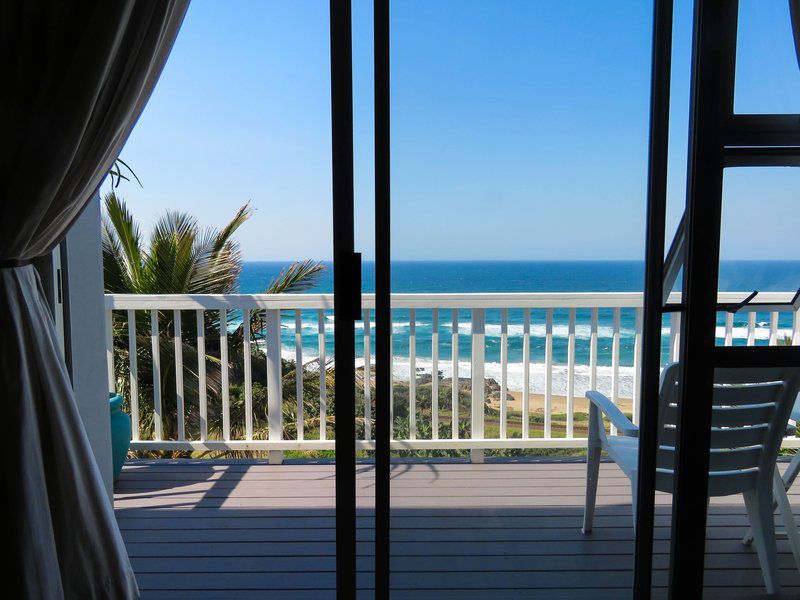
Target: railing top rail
{"x": 422, "y": 301}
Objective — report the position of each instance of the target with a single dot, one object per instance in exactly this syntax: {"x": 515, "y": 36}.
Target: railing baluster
{"x": 391, "y": 374}
{"x": 503, "y": 373}
{"x": 773, "y": 329}
{"x": 548, "y": 373}
{"x": 593, "y": 351}
{"x": 178, "y": 334}
{"x": 134, "y": 375}
{"x": 455, "y": 374}
{"x": 637, "y": 363}
{"x": 728, "y": 329}
{"x": 248, "y": 377}
{"x": 615, "y": 364}
{"x": 751, "y": 329}
{"x": 435, "y": 374}
{"x": 571, "y": 374}
{"x": 367, "y": 377}
{"x": 526, "y": 372}
{"x": 674, "y": 336}
{"x": 202, "y": 381}
{"x": 154, "y": 342}
{"x": 412, "y": 374}
{"x": 478, "y": 366}
{"x": 796, "y": 328}
{"x": 298, "y": 371}
{"x": 111, "y": 377}
{"x": 223, "y": 359}
{"x": 323, "y": 374}
{"x": 274, "y": 375}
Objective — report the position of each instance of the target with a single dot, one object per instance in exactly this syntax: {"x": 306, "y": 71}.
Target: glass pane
{"x": 240, "y": 114}
{"x": 758, "y": 252}
{"x": 518, "y": 169}
{"x": 767, "y": 75}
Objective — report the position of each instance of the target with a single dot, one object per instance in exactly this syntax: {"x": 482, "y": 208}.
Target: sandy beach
{"x": 559, "y": 403}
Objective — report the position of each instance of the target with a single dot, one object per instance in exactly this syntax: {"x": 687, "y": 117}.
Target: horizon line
{"x": 514, "y": 260}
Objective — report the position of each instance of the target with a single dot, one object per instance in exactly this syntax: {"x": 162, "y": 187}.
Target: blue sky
{"x": 519, "y": 128}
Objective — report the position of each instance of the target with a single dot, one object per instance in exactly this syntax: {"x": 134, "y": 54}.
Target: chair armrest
{"x": 614, "y": 414}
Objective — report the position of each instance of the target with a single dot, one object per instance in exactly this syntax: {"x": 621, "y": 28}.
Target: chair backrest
{"x": 750, "y": 411}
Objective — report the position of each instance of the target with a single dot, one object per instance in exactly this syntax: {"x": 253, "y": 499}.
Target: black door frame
{"x": 718, "y": 138}
{"x": 383, "y": 312}
{"x": 660, "y": 75}
{"x": 347, "y": 296}
{"x": 347, "y": 293}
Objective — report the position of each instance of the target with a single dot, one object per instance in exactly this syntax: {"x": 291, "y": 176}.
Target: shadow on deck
{"x": 241, "y": 528}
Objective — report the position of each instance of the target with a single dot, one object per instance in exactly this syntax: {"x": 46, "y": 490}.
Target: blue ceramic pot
{"x": 120, "y": 432}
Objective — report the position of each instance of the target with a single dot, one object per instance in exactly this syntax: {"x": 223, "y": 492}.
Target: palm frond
{"x": 115, "y": 277}
{"x": 123, "y": 242}
{"x": 297, "y": 277}
{"x": 225, "y": 234}
{"x": 118, "y": 162}
{"x": 216, "y": 270}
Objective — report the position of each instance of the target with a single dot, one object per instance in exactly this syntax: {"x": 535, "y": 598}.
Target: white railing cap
{"x": 482, "y": 300}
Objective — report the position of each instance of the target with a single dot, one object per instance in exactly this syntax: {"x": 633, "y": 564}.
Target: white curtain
{"x": 794, "y": 11}
{"x": 75, "y": 78}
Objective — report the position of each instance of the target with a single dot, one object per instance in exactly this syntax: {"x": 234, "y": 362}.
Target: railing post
{"x": 223, "y": 359}
{"x": 179, "y": 404}
{"x": 134, "y": 375}
{"x": 367, "y": 377}
{"x": 112, "y": 380}
{"x": 274, "y": 381}
{"x": 248, "y": 377}
{"x": 454, "y": 343}
{"x": 478, "y": 380}
{"x": 637, "y": 362}
{"x": 796, "y": 328}
{"x": 548, "y": 372}
{"x": 156, "y": 354}
{"x": 202, "y": 381}
{"x": 674, "y": 336}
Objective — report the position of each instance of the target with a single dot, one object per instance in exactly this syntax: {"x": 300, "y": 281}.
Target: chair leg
{"x": 779, "y": 490}
{"x": 592, "y": 469}
{"x": 788, "y": 479}
{"x": 592, "y": 474}
{"x": 759, "y": 505}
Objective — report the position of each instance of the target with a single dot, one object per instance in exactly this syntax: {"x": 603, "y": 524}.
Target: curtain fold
{"x": 794, "y": 14}
{"x": 75, "y": 78}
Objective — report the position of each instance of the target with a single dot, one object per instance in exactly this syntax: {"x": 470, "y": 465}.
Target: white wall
{"x": 87, "y": 334}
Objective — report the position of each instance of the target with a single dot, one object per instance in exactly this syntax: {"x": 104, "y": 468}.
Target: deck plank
{"x": 203, "y": 529}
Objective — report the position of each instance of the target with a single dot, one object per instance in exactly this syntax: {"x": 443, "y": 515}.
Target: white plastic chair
{"x": 750, "y": 411}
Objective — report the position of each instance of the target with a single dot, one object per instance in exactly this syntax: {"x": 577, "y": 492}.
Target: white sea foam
{"x": 582, "y": 331}
{"x": 538, "y": 374}
{"x": 492, "y": 330}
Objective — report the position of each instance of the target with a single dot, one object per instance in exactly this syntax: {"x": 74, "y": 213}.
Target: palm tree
{"x": 181, "y": 258}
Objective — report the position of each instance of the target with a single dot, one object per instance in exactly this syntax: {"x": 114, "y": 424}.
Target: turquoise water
{"x": 527, "y": 276}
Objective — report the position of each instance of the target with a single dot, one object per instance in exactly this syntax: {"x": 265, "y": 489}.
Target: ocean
{"x": 524, "y": 276}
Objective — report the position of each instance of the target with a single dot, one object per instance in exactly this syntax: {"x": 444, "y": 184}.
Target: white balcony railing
{"x": 545, "y": 389}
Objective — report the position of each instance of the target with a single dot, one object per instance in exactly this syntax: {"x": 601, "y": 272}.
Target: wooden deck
{"x": 246, "y": 529}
